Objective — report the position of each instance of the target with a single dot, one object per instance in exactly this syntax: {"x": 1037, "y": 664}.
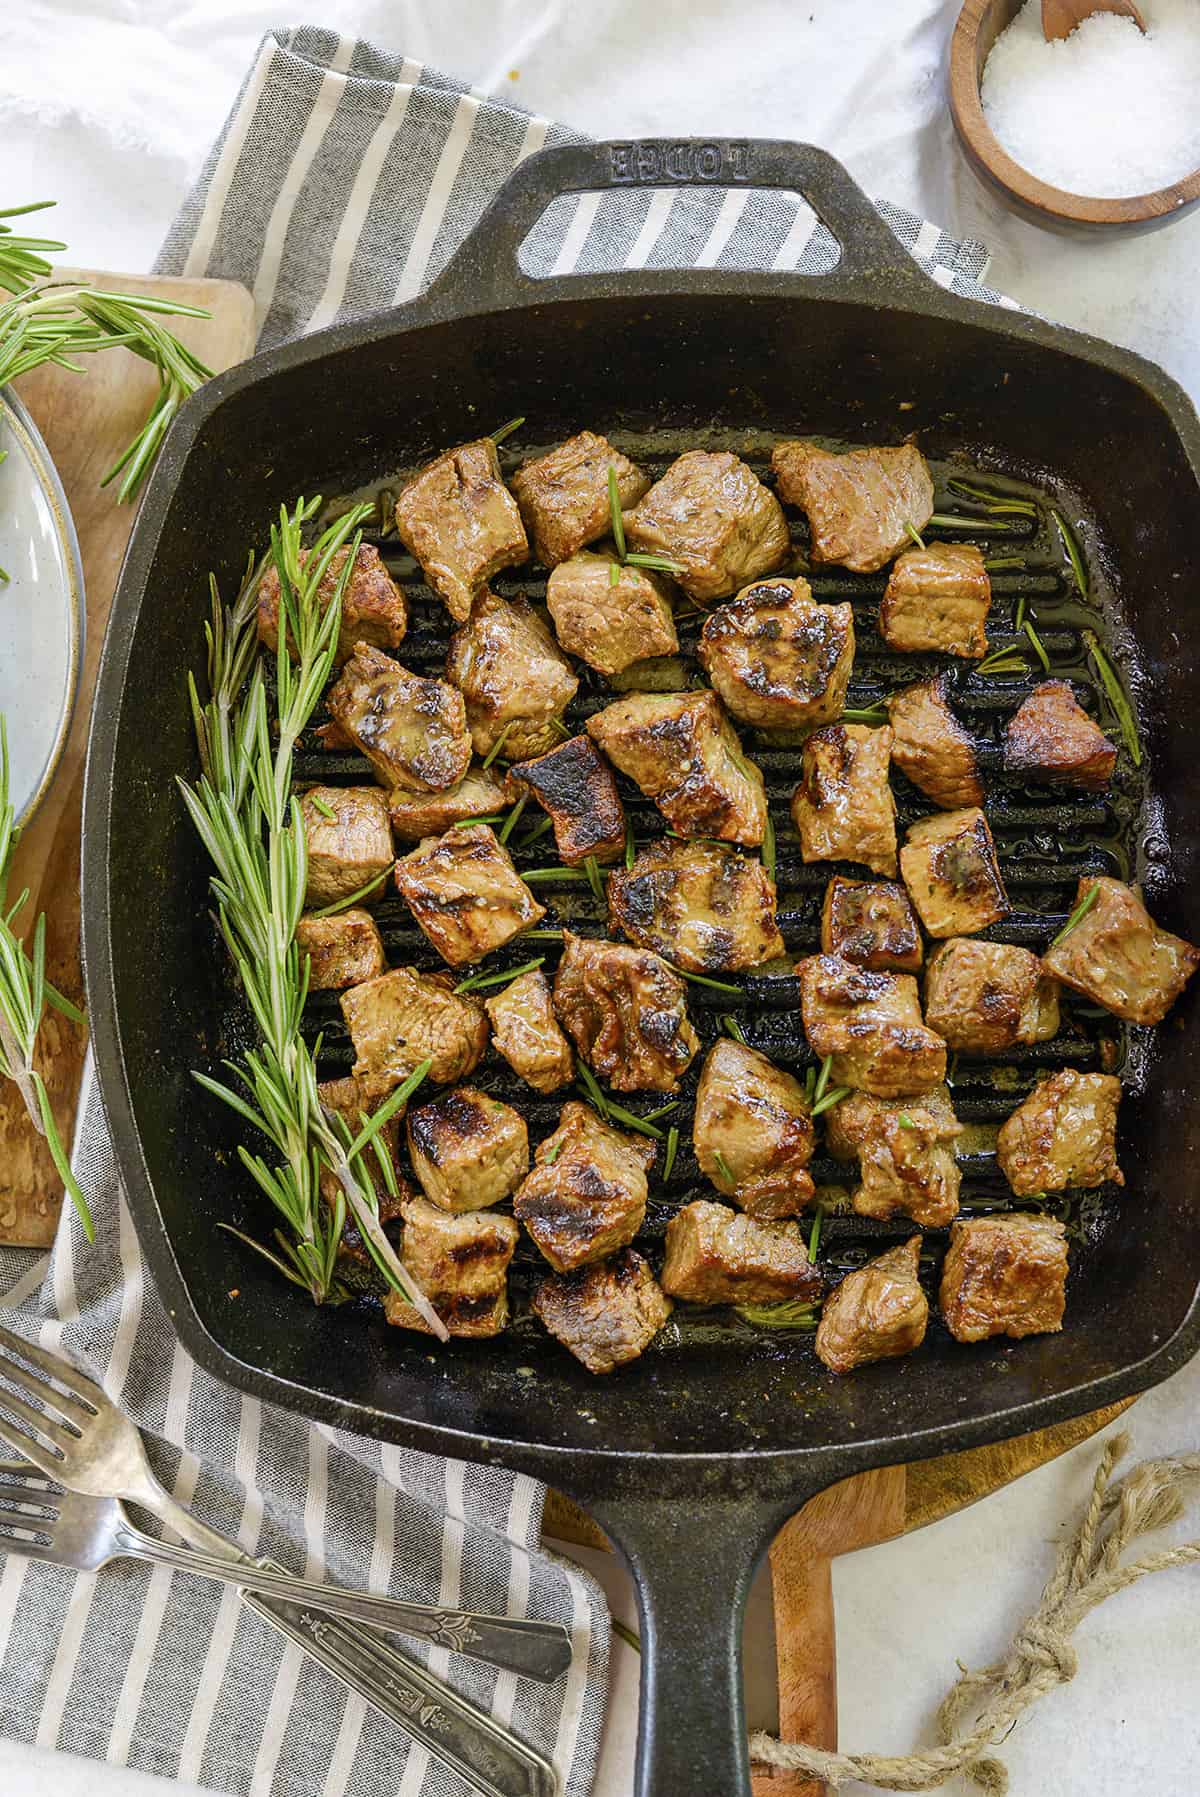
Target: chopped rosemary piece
{"x": 664, "y": 1110}
{"x": 993, "y": 563}
{"x": 477, "y": 981}
{"x": 485, "y": 817}
{"x": 591, "y": 868}
{"x": 631, "y": 1120}
{"x": 1038, "y": 646}
{"x": 984, "y": 526}
{"x": 541, "y": 935}
{"x": 1002, "y": 661}
{"x": 1072, "y": 549}
{"x": 723, "y": 1167}
{"x": 830, "y": 1099}
{"x": 1116, "y": 696}
{"x": 614, "y": 574}
{"x": 591, "y": 1087}
{"x": 1019, "y": 620}
{"x": 793, "y": 1315}
{"x": 1079, "y": 913}
{"x": 823, "y": 1077}
{"x": 506, "y": 430}
{"x": 732, "y": 1027}
{"x": 344, "y": 904}
{"x": 614, "y": 506}
{"x": 324, "y": 810}
{"x": 535, "y": 874}
{"x": 866, "y": 714}
{"x": 905, "y": 1121}
{"x": 537, "y": 830}
{"x": 630, "y": 845}
{"x": 952, "y": 1068}
{"x": 498, "y": 744}
{"x": 553, "y": 1155}
{"x": 814, "y": 1237}
{"x": 672, "y": 1151}
{"x": 768, "y": 847}
{"x": 998, "y": 502}
{"x": 660, "y": 564}
{"x": 510, "y": 822}
{"x": 915, "y": 534}
{"x": 702, "y": 979}
{"x": 810, "y": 1082}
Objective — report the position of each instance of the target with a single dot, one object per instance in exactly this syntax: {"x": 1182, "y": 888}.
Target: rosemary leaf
{"x": 905, "y": 1121}
{"x": 554, "y": 875}
{"x": 994, "y": 563}
{"x": 592, "y": 869}
{"x": 915, "y": 534}
{"x": 992, "y": 501}
{"x": 614, "y": 507}
{"x": 344, "y": 904}
{"x": 614, "y": 574}
{"x": 672, "y": 1151}
{"x": 793, "y": 1315}
{"x": 1019, "y": 621}
{"x": 478, "y": 981}
{"x": 823, "y": 1077}
{"x": 1116, "y": 696}
{"x": 827, "y": 1102}
{"x": 553, "y": 1155}
{"x": 484, "y": 817}
{"x": 814, "y": 1236}
{"x": 628, "y": 1635}
{"x": 1078, "y": 914}
{"x": 506, "y": 430}
{"x": 702, "y": 979}
{"x": 732, "y": 1027}
{"x": 866, "y": 714}
{"x": 322, "y": 809}
{"x": 591, "y": 1088}
{"x": 723, "y": 1169}
{"x": 630, "y": 845}
{"x": 1038, "y": 646}
{"x": 641, "y": 1125}
{"x": 510, "y": 822}
{"x": 982, "y": 526}
{"x": 1072, "y": 549}
{"x": 498, "y": 744}
{"x": 768, "y": 847}
{"x": 660, "y": 564}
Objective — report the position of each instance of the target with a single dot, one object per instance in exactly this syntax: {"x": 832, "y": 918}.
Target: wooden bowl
{"x": 980, "y": 24}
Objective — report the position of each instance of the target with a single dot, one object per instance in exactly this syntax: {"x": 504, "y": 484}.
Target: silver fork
{"x": 92, "y": 1448}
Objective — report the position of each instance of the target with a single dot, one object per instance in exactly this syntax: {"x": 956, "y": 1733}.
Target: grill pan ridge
{"x": 709, "y": 1444}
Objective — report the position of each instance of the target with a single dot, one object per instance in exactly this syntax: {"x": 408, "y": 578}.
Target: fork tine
{"x": 35, "y": 1452}
{"x": 36, "y": 1419}
{"x": 29, "y": 1550}
{"x": 55, "y": 1367}
{"x": 12, "y": 1495}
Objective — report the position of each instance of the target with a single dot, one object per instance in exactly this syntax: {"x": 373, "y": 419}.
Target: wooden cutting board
{"x": 87, "y": 420}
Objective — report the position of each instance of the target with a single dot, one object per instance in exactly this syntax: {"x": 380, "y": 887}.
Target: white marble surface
{"x": 108, "y": 105}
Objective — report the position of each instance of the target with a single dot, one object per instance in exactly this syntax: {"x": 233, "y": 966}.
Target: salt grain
{"x": 1106, "y": 112}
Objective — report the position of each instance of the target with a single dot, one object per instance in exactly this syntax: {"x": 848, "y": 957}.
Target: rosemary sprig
{"x": 1002, "y": 661}
{"x": 1078, "y": 914}
{"x": 672, "y": 1151}
{"x": 1116, "y": 696}
{"x": 477, "y": 981}
{"x": 988, "y": 526}
{"x": 22, "y": 261}
{"x": 24, "y": 994}
{"x": 792, "y": 1315}
{"x": 1072, "y": 549}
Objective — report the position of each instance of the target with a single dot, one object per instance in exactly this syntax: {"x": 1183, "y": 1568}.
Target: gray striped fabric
{"x": 343, "y": 181}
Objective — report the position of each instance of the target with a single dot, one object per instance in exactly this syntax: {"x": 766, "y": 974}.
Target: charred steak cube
{"x": 412, "y": 731}
{"x": 871, "y": 1024}
{"x": 931, "y": 747}
{"x": 586, "y": 1195}
{"x": 712, "y": 515}
{"x": 342, "y": 951}
{"x": 467, "y": 1150}
{"x": 752, "y": 1131}
{"x": 859, "y": 505}
{"x": 349, "y": 841}
{"x": 465, "y": 893}
{"x": 1004, "y": 1275}
{"x": 460, "y": 1263}
{"x": 683, "y": 753}
{"x": 905, "y": 1151}
{"x": 526, "y": 1032}
{"x": 719, "y": 1256}
{"x": 938, "y": 598}
{"x": 1065, "y": 1134}
{"x": 843, "y": 808}
{"x": 574, "y": 785}
{"x": 778, "y": 659}
{"x": 610, "y": 624}
{"x": 949, "y": 865}
{"x": 878, "y": 1312}
{"x": 416, "y": 815}
{"x": 871, "y": 923}
{"x": 462, "y": 523}
{"x": 373, "y": 609}
{"x": 405, "y": 1017}
{"x": 1117, "y": 955}
{"x": 564, "y": 496}
{"x": 705, "y": 907}
{"x": 606, "y": 1315}
{"x": 626, "y": 1012}
{"x": 514, "y": 677}
{"x": 988, "y": 997}
{"x": 1052, "y": 738}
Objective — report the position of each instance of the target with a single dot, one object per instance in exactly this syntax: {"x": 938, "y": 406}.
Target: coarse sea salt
{"x": 1106, "y": 112}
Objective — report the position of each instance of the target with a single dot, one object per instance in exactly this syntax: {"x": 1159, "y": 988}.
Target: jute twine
{"x": 1089, "y": 1569}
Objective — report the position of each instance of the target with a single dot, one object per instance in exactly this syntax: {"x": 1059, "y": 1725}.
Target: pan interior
{"x": 658, "y": 376}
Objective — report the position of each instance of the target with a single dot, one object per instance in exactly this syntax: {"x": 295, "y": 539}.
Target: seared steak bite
{"x": 515, "y": 679}
{"x": 405, "y": 1017}
{"x": 460, "y": 1263}
{"x": 373, "y": 608}
{"x": 938, "y": 598}
{"x": 949, "y": 865}
{"x": 1004, "y": 1275}
{"x": 712, "y": 515}
{"x": 1052, "y": 738}
{"x": 905, "y": 1151}
{"x": 343, "y": 950}
{"x": 877, "y": 1313}
{"x": 986, "y": 997}
{"x": 843, "y": 808}
{"x": 606, "y": 1315}
{"x": 467, "y": 1150}
{"x": 871, "y": 923}
{"x": 574, "y": 785}
{"x": 465, "y": 893}
{"x": 349, "y": 848}
{"x": 1117, "y": 955}
{"x": 586, "y": 1195}
{"x": 871, "y": 1024}
{"x": 461, "y": 522}
{"x": 563, "y": 496}
{"x": 412, "y": 731}
{"x": 777, "y": 658}
{"x": 859, "y": 505}
{"x": 416, "y": 815}
{"x": 752, "y": 1131}
{"x": 626, "y": 1011}
{"x": 526, "y": 1032}
{"x": 1065, "y": 1134}
{"x": 719, "y": 1256}
{"x": 683, "y": 753}
{"x": 705, "y": 907}
{"x": 931, "y": 747}
{"x": 610, "y": 624}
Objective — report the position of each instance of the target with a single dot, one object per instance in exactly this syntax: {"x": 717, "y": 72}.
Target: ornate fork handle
{"x": 539, "y": 1650}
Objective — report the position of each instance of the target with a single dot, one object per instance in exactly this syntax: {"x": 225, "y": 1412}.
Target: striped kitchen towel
{"x": 343, "y": 181}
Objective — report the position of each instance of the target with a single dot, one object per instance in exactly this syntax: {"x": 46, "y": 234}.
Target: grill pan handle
{"x": 486, "y": 274}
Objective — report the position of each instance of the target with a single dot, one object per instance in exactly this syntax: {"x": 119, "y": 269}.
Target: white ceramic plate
{"x": 41, "y": 607}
